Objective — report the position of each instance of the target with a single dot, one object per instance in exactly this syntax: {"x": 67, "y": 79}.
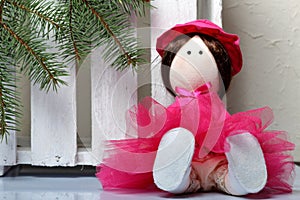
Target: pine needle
{"x": 39, "y": 38}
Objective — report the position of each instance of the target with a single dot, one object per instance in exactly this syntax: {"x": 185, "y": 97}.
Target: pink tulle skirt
{"x": 128, "y": 163}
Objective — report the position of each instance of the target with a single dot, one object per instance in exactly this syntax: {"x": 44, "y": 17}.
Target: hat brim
{"x": 229, "y": 41}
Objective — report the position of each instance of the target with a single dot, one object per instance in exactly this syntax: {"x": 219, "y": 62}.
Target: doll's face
{"x": 193, "y": 66}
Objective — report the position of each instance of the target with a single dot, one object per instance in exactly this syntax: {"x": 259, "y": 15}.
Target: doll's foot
{"x": 247, "y": 172}
{"x": 172, "y": 166}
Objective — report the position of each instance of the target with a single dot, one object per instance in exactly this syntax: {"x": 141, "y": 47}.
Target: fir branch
{"x": 1, "y": 9}
{"x": 91, "y": 33}
{"x": 35, "y": 12}
{"x": 32, "y": 52}
{"x": 109, "y": 30}
{"x": 9, "y": 102}
{"x": 136, "y": 7}
{"x": 77, "y": 56}
{"x": 77, "y": 27}
{"x": 3, "y": 124}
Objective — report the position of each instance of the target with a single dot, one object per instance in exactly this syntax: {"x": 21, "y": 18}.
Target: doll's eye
{"x": 189, "y": 52}
{"x": 200, "y": 52}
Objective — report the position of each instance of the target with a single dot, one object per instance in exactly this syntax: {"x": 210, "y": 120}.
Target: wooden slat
{"x": 85, "y": 157}
{"x": 166, "y": 15}
{"x": 8, "y": 151}
{"x": 53, "y": 125}
{"x": 211, "y": 10}
{"x": 112, "y": 94}
{"x": 111, "y": 91}
{"x": 24, "y": 155}
{"x": 216, "y": 12}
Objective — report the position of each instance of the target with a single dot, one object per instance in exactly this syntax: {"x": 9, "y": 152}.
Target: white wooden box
{"x": 68, "y": 128}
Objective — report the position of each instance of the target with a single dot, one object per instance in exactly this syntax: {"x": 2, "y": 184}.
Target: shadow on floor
{"x": 28, "y": 170}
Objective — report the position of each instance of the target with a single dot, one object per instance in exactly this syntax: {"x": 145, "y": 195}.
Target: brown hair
{"x": 216, "y": 48}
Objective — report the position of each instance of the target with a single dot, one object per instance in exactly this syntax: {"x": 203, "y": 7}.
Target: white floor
{"x": 79, "y": 188}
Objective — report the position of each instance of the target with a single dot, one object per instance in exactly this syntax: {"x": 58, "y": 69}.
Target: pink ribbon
{"x": 200, "y": 90}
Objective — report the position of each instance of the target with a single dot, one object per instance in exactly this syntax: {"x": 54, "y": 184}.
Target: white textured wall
{"x": 270, "y": 42}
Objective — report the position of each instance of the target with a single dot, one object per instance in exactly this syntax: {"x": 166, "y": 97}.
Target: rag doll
{"x": 194, "y": 144}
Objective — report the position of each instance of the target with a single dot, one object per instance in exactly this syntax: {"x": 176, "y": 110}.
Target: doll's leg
{"x": 172, "y": 169}
{"x": 246, "y": 172}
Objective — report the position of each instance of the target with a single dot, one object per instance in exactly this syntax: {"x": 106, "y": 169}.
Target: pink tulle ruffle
{"x": 128, "y": 162}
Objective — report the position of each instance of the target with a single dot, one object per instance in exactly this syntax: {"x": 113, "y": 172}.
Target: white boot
{"x": 247, "y": 172}
{"x": 172, "y": 166}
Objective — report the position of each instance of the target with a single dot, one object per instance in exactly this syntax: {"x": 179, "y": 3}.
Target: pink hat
{"x": 229, "y": 41}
